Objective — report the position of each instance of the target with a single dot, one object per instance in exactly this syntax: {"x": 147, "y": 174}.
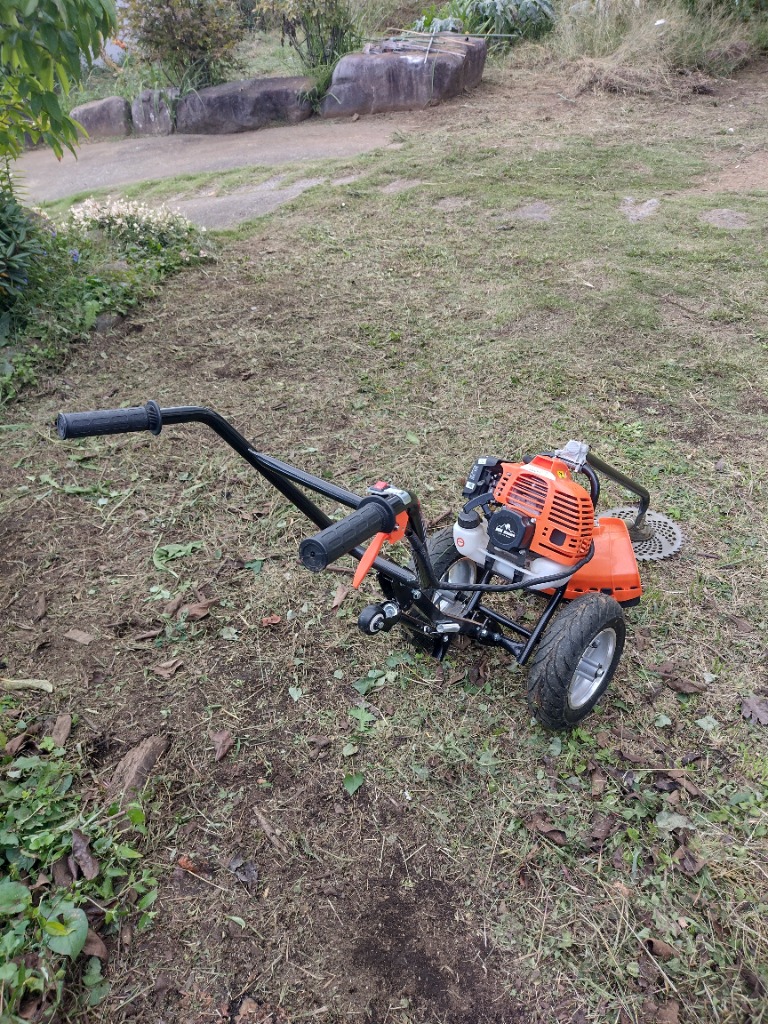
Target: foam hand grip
{"x": 110, "y": 421}
{"x": 373, "y": 516}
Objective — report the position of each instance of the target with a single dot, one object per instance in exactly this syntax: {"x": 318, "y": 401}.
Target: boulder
{"x": 152, "y": 112}
{"x": 244, "y": 106}
{"x": 399, "y": 75}
{"x": 104, "y": 119}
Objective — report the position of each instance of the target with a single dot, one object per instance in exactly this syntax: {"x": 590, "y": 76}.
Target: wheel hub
{"x": 462, "y": 572}
{"x": 590, "y": 671}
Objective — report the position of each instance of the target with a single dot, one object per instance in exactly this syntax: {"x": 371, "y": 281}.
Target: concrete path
{"x": 107, "y": 164}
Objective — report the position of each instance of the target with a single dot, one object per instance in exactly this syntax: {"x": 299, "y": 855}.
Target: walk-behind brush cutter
{"x": 526, "y": 527}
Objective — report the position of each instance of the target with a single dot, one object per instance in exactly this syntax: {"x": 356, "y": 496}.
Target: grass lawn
{"x": 496, "y": 299}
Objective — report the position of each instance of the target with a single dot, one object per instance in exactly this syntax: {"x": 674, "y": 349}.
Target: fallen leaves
{"x": 687, "y": 861}
{"x": 79, "y": 636}
{"x": 244, "y": 870}
{"x": 61, "y": 730}
{"x": 661, "y": 949}
{"x": 339, "y": 596}
{"x": 94, "y": 946}
{"x": 81, "y": 852}
{"x": 675, "y": 682}
{"x": 271, "y": 620}
{"x": 199, "y": 610}
{"x": 755, "y": 710}
{"x": 538, "y": 822}
{"x": 167, "y": 669}
{"x": 223, "y": 741}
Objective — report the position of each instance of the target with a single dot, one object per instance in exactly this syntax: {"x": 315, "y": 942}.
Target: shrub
{"x": 108, "y": 256}
{"x": 20, "y": 244}
{"x": 505, "y": 19}
{"x": 320, "y": 31}
{"x": 193, "y": 41}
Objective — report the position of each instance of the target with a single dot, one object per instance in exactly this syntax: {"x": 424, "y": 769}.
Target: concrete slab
{"x": 112, "y": 164}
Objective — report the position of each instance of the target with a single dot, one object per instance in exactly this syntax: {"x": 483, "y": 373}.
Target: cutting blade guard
{"x": 658, "y": 538}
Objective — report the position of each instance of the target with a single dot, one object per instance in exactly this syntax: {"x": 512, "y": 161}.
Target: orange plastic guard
{"x": 377, "y": 543}
{"x": 613, "y": 567}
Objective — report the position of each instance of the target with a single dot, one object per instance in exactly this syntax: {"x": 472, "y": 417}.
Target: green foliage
{"x": 20, "y": 244}
{"x": 44, "y": 926}
{"x": 193, "y": 41}
{"x": 320, "y": 31}
{"x": 514, "y": 19}
{"x": 106, "y": 257}
{"x": 45, "y": 46}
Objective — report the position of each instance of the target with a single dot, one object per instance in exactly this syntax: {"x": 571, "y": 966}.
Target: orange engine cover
{"x": 545, "y": 490}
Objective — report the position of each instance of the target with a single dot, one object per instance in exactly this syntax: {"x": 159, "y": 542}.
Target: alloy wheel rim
{"x": 591, "y": 670}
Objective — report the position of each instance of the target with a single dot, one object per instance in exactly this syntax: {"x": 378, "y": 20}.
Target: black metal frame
{"x": 408, "y": 589}
{"x": 409, "y": 593}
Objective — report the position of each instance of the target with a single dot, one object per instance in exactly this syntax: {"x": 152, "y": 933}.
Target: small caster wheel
{"x": 372, "y": 620}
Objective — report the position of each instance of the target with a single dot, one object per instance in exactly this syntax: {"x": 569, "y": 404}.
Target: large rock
{"x": 104, "y": 119}
{"x": 244, "y": 106}
{"x": 398, "y": 75}
{"x": 152, "y": 112}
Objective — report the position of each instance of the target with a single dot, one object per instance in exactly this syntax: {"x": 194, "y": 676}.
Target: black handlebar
{"x": 110, "y": 421}
{"x": 375, "y": 515}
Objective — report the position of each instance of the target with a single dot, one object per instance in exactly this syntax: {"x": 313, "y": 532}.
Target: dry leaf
{"x": 12, "y": 747}
{"x": 83, "y": 856}
{"x": 62, "y": 876}
{"x": 223, "y": 742}
{"x": 200, "y": 609}
{"x": 338, "y": 597}
{"x": 149, "y": 634}
{"x": 661, "y": 949}
{"x": 94, "y": 945}
{"x": 173, "y": 606}
{"x": 687, "y": 861}
{"x": 79, "y": 636}
{"x": 61, "y": 730}
{"x": 187, "y": 864}
{"x": 678, "y": 775}
{"x": 598, "y": 783}
{"x": 538, "y": 823}
{"x": 669, "y": 674}
{"x": 167, "y": 669}
{"x": 270, "y": 620}
{"x": 602, "y": 827}
{"x": 244, "y": 870}
{"x": 755, "y": 710}
{"x": 41, "y": 607}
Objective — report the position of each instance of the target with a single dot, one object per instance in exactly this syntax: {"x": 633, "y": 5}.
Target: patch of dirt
{"x": 749, "y": 174}
{"x": 538, "y": 211}
{"x": 401, "y": 185}
{"x": 733, "y": 219}
{"x": 636, "y": 211}
{"x": 452, "y": 203}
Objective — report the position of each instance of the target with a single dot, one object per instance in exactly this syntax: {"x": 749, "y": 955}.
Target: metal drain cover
{"x": 665, "y": 538}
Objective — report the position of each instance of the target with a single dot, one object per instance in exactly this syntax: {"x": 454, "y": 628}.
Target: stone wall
{"x": 396, "y": 74}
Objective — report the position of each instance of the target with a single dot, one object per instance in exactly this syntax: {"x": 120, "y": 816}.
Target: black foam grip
{"x": 109, "y": 421}
{"x": 373, "y": 516}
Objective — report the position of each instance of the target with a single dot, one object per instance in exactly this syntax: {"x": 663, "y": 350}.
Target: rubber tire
{"x": 559, "y": 653}
{"x": 443, "y": 553}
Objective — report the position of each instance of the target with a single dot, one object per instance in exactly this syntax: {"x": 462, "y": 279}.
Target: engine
{"x": 531, "y": 522}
